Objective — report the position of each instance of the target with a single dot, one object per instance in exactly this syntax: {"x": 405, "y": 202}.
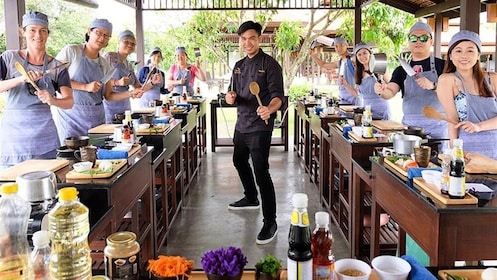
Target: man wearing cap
{"x": 418, "y": 90}
{"x": 153, "y": 75}
{"x": 365, "y": 80}
{"x": 346, "y": 70}
{"x": 91, "y": 82}
{"x": 27, "y": 129}
{"x": 124, "y": 75}
{"x": 467, "y": 94}
{"x": 183, "y": 73}
{"x": 254, "y": 125}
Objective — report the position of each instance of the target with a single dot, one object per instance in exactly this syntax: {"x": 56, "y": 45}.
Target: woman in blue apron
{"x": 182, "y": 74}
{"x": 124, "y": 75}
{"x": 90, "y": 80}
{"x": 365, "y": 81}
{"x": 27, "y": 129}
{"x": 152, "y": 77}
{"x": 468, "y": 96}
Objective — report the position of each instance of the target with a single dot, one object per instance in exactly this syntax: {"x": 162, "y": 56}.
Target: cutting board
{"x": 31, "y": 165}
{"x": 433, "y": 192}
{"x": 480, "y": 164}
{"x": 109, "y": 129}
{"x": 399, "y": 170}
{"x": 471, "y": 274}
{"x": 144, "y": 110}
{"x": 360, "y": 139}
{"x": 116, "y": 165}
{"x": 347, "y": 108}
{"x": 387, "y": 125}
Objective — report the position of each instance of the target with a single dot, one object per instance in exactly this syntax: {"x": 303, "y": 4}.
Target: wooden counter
{"x": 302, "y": 136}
{"x": 446, "y": 233}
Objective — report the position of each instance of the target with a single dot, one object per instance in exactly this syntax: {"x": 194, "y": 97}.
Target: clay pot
{"x": 263, "y": 276}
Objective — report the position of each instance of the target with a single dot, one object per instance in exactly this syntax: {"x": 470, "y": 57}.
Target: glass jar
{"x": 122, "y": 256}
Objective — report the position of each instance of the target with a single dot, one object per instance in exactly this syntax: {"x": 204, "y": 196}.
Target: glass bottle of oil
{"x": 69, "y": 228}
{"x": 14, "y": 246}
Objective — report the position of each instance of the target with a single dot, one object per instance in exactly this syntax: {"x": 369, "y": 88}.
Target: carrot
{"x": 170, "y": 266}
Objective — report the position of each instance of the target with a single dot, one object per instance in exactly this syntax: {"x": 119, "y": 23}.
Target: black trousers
{"x": 256, "y": 146}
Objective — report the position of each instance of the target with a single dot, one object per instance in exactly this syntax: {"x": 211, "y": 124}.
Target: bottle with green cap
{"x": 14, "y": 246}
{"x": 69, "y": 227}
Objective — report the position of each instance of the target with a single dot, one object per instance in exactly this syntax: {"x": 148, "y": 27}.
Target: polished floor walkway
{"x": 205, "y": 223}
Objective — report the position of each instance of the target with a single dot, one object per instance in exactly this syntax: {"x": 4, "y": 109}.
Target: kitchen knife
{"x": 51, "y": 70}
{"x": 24, "y": 73}
{"x": 108, "y": 76}
{"x": 407, "y": 67}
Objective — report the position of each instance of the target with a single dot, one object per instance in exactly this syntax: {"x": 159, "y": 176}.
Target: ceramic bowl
{"x": 345, "y": 268}
{"x": 391, "y": 267}
{"x": 144, "y": 126}
{"x": 82, "y": 166}
{"x": 432, "y": 177}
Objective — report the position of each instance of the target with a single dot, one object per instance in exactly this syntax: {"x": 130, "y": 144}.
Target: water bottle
{"x": 322, "y": 242}
{"x": 14, "y": 246}
{"x": 299, "y": 262}
{"x": 40, "y": 257}
{"x": 69, "y": 228}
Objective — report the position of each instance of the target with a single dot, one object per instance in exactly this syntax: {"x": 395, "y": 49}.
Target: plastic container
{"x": 40, "y": 257}
{"x": 299, "y": 262}
{"x": 122, "y": 256}
{"x": 14, "y": 246}
{"x": 69, "y": 228}
{"x": 322, "y": 242}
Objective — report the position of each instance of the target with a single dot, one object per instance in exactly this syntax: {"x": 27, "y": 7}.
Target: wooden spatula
{"x": 433, "y": 113}
{"x": 254, "y": 89}
{"x": 24, "y": 73}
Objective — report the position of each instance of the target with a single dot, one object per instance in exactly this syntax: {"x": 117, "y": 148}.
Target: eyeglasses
{"x": 422, "y": 38}
{"x": 100, "y": 34}
{"x": 129, "y": 43}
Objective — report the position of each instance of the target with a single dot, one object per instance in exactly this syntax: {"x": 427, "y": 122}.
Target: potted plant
{"x": 268, "y": 268}
{"x": 224, "y": 263}
{"x": 170, "y": 268}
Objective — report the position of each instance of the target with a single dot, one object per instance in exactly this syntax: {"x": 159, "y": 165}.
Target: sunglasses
{"x": 422, "y": 38}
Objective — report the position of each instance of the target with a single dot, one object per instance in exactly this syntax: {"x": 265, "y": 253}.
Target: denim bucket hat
{"x": 101, "y": 23}
{"x": 465, "y": 35}
{"x": 34, "y": 18}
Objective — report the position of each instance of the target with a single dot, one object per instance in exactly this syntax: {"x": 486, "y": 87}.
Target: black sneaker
{"x": 267, "y": 233}
{"x": 243, "y": 204}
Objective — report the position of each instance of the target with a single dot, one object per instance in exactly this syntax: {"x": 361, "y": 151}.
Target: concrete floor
{"x": 205, "y": 223}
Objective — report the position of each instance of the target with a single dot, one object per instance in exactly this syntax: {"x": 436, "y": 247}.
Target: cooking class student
{"x": 124, "y": 76}
{"x": 418, "y": 90}
{"x": 183, "y": 73}
{"x": 467, "y": 94}
{"x": 345, "y": 68}
{"x": 91, "y": 82}
{"x": 27, "y": 129}
{"x": 364, "y": 83}
{"x": 153, "y": 75}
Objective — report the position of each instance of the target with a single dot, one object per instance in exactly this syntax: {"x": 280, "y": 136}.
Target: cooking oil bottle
{"x": 14, "y": 246}
{"x": 69, "y": 228}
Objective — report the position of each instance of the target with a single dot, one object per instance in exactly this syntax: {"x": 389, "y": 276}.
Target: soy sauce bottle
{"x": 457, "y": 177}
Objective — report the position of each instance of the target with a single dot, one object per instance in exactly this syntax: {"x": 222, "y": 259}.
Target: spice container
{"x": 121, "y": 256}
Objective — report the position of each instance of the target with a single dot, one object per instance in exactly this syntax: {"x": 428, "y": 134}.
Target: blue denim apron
{"x": 123, "y": 69}
{"x": 379, "y": 106}
{"x": 343, "y": 93}
{"x": 153, "y": 93}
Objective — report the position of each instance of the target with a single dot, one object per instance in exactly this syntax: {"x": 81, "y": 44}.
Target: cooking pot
{"x": 404, "y": 144}
{"x": 37, "y": 186}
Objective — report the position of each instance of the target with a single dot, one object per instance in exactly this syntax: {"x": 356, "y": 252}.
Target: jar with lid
{"x": 122, "y": 256}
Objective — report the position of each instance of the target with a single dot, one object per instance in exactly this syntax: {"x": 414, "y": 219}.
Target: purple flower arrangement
{"x": 224, "y": 262}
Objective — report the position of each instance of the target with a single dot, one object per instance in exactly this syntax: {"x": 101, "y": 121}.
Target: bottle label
{"x": 323, "y": 272}
{"x": 457, "y": 186}
{"x": 367, "y": 132}
{"x": 299, "y": 270}
{"x": 122, "y": 268}
{"x": 299, "y": 218}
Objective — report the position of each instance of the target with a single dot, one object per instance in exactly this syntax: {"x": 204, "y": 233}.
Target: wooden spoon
{"x": 24, "y": 73}
{"x": 433, "y": 113}
{"x": 254, "y": 89}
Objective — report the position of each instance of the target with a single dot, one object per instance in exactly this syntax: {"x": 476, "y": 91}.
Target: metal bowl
{"x": 37, "y": 186}
{"x": 77, "y": 141}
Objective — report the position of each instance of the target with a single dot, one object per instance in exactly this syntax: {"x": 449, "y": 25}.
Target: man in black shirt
{"x": 418, "y": 90}
{"x": 254, "y": 126}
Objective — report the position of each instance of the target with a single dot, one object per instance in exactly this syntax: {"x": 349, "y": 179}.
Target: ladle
{"x": 254, "y": 89}
{"x": 432, "y": 113}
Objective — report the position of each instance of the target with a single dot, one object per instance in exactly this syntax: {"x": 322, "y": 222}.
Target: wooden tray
{"x": 433, "y": 192}
{"x": 153, "y": 130}
{"x": 31, "y": 165}
{"x": 399, "y": 170}
{"x": 347, "y": 108}
{"x": 116, "y": 163}
{"x": 360, "y": 139}
{"x": 387, "y": 125}
{"x": 471, "y": 274}
{"x": 109, "y": 129}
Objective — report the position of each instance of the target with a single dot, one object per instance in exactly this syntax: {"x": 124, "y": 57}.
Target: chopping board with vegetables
{"x": 400, "y": 164}
{"x": 460, "y": 274}
{"x": 31, "y": 165}
{"x": 387, "y": 125}
{"x": 102, "y": 169}
{"x": 433, "y": 192}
